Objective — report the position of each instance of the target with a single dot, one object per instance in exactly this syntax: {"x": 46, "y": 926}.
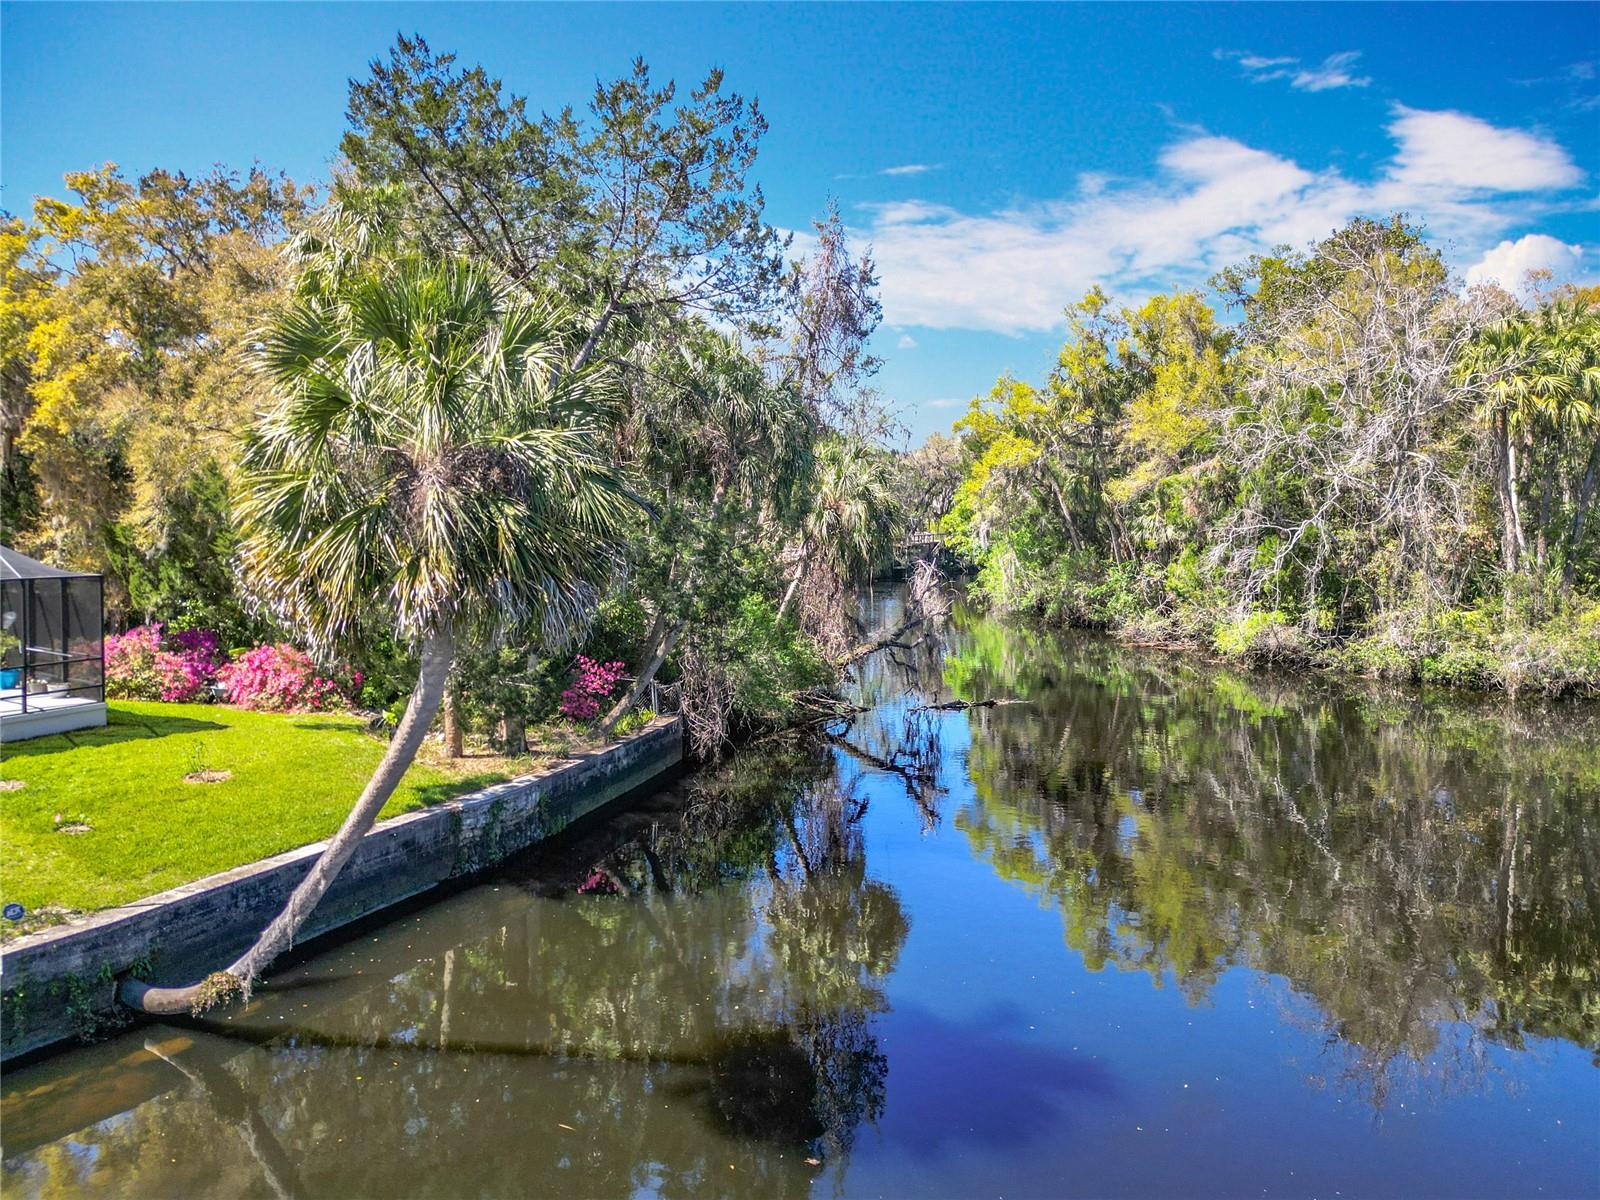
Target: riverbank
{"x": 61, "y": 982}
{"x": 165, "y": 794}
{"x": 1475, "y": 649}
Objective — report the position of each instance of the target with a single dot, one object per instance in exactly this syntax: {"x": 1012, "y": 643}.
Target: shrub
{"x": 1559, "y": 658}
{"x": 147, "y": 663}
{"x": 746, "y": 674}
{"x": 1378, "y": 656}
{"x": 769, "y": 662}
{"x": 279, "y": 678}
{"x": 593, "y": 683}
{"x": 1261, "y": 637}
{"x": 188, "y": 667}
{"x": 131, "y": 672}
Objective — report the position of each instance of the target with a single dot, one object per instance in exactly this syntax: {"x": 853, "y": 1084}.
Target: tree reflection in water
{"x": 1419, "y": 869}
{"x": 689, "y": 997}
{"x": 701, "y": 1024}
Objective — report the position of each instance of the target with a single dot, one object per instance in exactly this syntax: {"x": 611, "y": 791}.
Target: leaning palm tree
{"x": 430, "y": 468}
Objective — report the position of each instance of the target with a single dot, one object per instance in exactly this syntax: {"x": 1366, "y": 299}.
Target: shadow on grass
{"x": 325, "y": 725}
{"x": 121, "y": 727}
{"x": 437, "y": 793}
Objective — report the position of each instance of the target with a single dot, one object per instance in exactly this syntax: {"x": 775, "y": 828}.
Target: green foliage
{"x": 126, "y": 388}
{"x": 1260, "y": 637}
{"x": 1323, "y": 483}
{"x": 640, "y": 208}
{"x": 1481, "y": 648}
{"x": 429, "y": 464}
{"x": 772, "y": 662}
{"x": 514, "y": 367}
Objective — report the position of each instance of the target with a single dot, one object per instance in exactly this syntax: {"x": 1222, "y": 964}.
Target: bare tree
{"x": 1351, "y": 432}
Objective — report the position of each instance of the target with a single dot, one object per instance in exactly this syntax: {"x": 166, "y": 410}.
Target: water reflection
{"x": 1421, "y": 871}
{"x": 680, "y": 996}
{"x": 712, "y": 992}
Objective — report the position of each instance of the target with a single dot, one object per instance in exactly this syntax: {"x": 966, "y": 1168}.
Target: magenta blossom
{"x": 280, "y": 678}
{"x": 147, "y": 663}
{"x": 594, "y": 683}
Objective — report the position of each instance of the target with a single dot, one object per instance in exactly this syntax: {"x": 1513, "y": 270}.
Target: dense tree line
{"x": 513, "y": 386}
{"x": 1371, "y": 468}
{"x": 280, "y": 412}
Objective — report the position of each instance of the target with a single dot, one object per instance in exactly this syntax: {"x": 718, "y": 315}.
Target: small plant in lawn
{"x": 200, "y": 771}
{"x": 593, "y": 684}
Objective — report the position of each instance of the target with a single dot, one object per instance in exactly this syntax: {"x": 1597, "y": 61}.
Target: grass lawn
{"x": 294, "y": 777}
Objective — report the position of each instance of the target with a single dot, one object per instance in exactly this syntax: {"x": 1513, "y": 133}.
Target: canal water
{"x": 1144, "y": 927}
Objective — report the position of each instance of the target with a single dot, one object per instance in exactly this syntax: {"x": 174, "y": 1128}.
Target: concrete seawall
{"x": 60, "y": 983}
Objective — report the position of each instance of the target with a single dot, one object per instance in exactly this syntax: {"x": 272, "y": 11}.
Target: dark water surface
{"x": 1155, "y": 930}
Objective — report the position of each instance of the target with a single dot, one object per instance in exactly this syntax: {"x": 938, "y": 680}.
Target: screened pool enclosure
{"x": 52, "y": 668}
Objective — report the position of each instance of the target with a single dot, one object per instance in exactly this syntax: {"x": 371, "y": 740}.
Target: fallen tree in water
{"x": 963, "y": 705}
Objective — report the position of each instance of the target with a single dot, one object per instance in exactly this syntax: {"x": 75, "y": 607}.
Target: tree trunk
{"x": 890, "y": 636}
{"x": 1511, "y": 543}
{"x": 1541, "y": 542}
{"x": 227, "y": 1097}
{"x": 452, "y": 725}
{"x": 438, "y": 653}
{"x": 513, "y": 734}
{"x": 1066, "y": 511}
{"x": 642, "y": 681}
{"x": 444, "y": 998}
{"x": 1580, "y": 514}
{"x": 794, "y": 584}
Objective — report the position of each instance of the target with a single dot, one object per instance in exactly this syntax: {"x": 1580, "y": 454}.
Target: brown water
{"x": 1156, "y": 929}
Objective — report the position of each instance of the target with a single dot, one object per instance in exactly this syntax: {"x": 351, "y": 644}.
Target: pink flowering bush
{"x": 147, "y": 664}
{"x": 189, "y": 664}
{"x": 279, "y": 678}
{"x": 593, "y": 684}
{"x": 598, "y": 883}
{"x": 131, "y": 672}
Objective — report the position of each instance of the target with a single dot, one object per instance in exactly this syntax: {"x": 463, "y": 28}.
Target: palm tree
{"x": 854, "y": 517}
{"x": 429, "y": 467}
{"x": 1538, "y": 373}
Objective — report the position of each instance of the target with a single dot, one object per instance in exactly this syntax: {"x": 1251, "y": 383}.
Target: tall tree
{"x": 1349, "y": 427}
{"x": 128, "y": 309}
{"x": 432, "y": 465}
{"x": 847, "y": 534}
{"x": 1537, "y": 376}
{"x": 638, "y": 211}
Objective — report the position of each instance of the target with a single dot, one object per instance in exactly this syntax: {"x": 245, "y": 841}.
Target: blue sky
{"x": 999, "y": 159}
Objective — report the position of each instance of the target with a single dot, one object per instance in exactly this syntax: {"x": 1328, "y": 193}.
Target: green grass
{"x": 294, "y": 777}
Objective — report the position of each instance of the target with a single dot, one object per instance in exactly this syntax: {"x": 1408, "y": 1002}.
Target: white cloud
{"x": 903, "y": 169}
{"x": 1256, "y": 62}
{"x": 945, "y": 402}
{"x": 1509, "y": 263}
{"x": 1452, "y": 150}
{"x": 1210, "y": 202}
{"x": 1335, "y": 71}
{"x": 905, "y": 342}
